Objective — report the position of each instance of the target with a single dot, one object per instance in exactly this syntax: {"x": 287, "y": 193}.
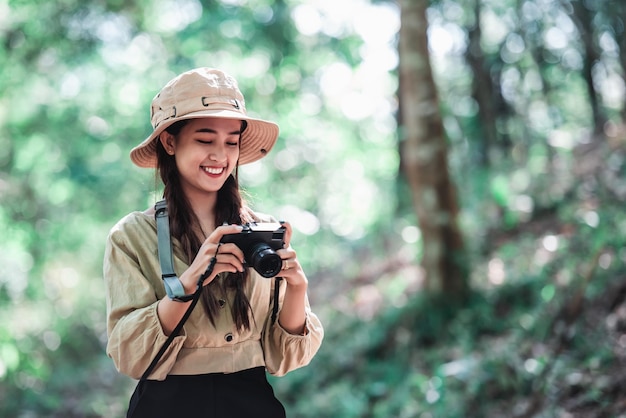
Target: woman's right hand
{"x": 229, "y": 257}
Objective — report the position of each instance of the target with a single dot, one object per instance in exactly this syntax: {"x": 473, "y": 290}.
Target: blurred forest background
{"x": 455, "y": 171}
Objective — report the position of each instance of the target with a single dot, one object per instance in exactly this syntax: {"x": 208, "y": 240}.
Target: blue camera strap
{"x": 167, "y": 269}
{"x": 173, "y": 287}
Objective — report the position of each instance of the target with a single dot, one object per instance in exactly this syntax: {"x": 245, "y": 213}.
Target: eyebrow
{"x": 213, "y": 131}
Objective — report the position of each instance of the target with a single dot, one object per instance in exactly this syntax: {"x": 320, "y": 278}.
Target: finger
{"x": 220, "y": 231}
{"x": 230, "y": 262}
{"x": 288, "y": 232}
{"x": 286, "y": 253}
{"x": 230, "y": 248}
{"x": 289, "y": 264}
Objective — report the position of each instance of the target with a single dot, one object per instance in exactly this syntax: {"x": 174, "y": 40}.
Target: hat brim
{"x": 256, "y": 140}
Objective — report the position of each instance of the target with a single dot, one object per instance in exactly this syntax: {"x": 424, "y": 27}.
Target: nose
{"x": 217, "y": 153}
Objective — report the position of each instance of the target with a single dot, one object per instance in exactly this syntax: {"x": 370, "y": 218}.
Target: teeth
{"x": 213, "y": 170}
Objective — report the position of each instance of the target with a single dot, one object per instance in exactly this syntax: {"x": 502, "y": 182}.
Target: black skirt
{"x": 217, "y": 395}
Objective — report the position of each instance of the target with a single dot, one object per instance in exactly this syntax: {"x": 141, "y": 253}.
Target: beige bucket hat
{"x": 200, "y": 93}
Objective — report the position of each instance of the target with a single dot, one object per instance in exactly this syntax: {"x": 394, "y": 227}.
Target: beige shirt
{"x": 134, "y": 286}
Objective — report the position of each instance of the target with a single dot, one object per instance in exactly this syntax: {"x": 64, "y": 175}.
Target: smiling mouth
{"x": 213, "y": 170}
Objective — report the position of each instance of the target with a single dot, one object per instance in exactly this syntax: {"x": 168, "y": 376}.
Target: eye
{"x": 203, "y": 141}
{"x": 233, "y": 143}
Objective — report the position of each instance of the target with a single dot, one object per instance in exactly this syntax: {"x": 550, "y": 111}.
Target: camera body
{"x": 259, "y": 242}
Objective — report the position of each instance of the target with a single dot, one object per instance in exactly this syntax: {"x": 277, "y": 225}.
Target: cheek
{"x": 234, "y": 154}
{"x": 185, "y": 161}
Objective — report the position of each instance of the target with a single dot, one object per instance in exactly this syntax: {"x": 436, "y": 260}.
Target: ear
{"x": 168, "y": 141}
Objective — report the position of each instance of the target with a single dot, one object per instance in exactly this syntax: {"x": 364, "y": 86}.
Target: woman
{"x": 216, "y": 365}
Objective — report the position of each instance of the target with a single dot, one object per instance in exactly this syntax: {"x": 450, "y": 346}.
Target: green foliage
{"x": 509, "y": 347}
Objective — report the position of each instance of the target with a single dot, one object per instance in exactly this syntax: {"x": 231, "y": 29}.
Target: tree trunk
{"x": 483, "y": 91}
{"x": 618, "y": 11}
{"x": 582, "y": 18}
{"x": 424, "y": 159}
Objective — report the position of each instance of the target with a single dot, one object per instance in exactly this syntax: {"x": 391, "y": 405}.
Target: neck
{"x": 203, "y": 206}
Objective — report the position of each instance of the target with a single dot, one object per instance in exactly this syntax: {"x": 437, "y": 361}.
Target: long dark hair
{"x": 185, "y": 226}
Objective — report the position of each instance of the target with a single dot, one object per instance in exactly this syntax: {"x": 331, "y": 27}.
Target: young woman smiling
{"x": 216, "y": 365}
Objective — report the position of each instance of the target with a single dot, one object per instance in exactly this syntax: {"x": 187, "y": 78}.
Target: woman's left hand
{"x": 292, "y": 315}
{"x": 292, "y": 270}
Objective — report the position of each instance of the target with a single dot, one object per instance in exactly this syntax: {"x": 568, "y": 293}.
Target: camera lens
{"x": 265, "y": 260}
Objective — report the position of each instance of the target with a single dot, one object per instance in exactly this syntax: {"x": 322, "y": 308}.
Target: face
{"x": 206, "y": 152}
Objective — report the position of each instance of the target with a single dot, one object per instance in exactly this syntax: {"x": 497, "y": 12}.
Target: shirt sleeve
{"x": 284, "y": 351}
{"x": 134, "y": 331}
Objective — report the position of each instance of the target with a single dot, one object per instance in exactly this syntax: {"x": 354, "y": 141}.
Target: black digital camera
{"x": 259, "y": 242}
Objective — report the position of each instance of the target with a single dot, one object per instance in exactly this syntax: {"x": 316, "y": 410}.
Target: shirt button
{"x": 228, "y": 337}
